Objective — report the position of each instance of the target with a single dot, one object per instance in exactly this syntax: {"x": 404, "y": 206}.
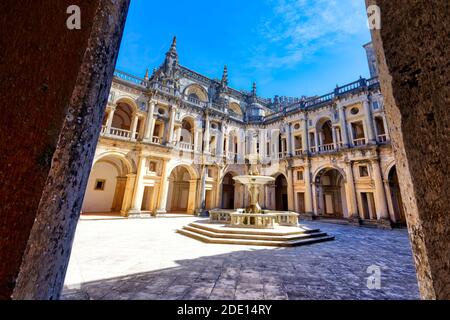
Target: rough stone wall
{"x": 54, "y": 86}
{"x": 413, "y": 53}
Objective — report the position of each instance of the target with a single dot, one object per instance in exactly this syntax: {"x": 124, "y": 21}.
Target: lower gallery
{"x": 172, "y": 142}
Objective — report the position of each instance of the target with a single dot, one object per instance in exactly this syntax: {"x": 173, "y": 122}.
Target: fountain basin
{"x": 265, "y": 220}
{"x": 252, "y": 180}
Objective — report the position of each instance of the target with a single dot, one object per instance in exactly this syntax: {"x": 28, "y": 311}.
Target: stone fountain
{"x": 253, "y": 225}
{"x": 254, "y": 182}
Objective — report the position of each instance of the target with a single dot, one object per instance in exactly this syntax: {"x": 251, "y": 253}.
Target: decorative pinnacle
{"x": 173, "y": 47}
{"x": 147, "y": 76}
{"x": 225, "y": 76}
{"x": 254, "y": 89}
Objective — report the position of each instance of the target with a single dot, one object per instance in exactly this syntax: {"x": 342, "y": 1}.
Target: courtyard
{"x": 145, "y": 259}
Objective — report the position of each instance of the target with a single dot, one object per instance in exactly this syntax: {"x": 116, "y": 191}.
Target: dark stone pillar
{"x": 413, "y": 53}
{"x": 54, "y": 84}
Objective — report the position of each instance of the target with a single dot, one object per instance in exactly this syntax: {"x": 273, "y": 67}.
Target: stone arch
{"x": 182, "y": 179}
{"x": 236, "y": 108}
{"x": 394, "y": 195}
{"x": 320, "y": 121}
{"x": 328, "y": 167}
{"x": 281, "y": 192}
{"x": 330, "y": 193}
{"x": 127, "y": 100}
{"x": 188, "y": 128}
{"x": 197, "y": 92}
{"x": 128, "y": 163}
{"x": 107, "y": 183}
{"x": 388, "y": 169}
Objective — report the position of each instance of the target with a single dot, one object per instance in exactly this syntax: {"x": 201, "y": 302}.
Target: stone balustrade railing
{"x": 266, "y": 220}
{"x": 359, "y": 142}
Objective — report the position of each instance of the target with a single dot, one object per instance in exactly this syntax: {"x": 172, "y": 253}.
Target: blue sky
{"x": 289, "y": 47}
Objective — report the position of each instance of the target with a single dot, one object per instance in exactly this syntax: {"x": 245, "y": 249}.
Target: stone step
{"x": 246, "y": 236}
{"x": 287, "y": 243}
{"x": 263, "y": 232}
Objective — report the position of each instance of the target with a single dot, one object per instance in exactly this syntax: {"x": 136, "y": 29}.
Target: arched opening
{"x": 281, "y": 195}
{"x": 122, "y": 117}
{"x": 325, "y": 129}
{"x": 185, "y": 136}
{"x": 330, "y": 194}
{"x": 181, "y": 196}
{"x": 196, "y": 93}
{"x": 228, "y": 189}
{"x": 359, "y": 137}
{"x": 235, "y": 109}
{"x": 106, "y": 186}
{"x": 397, "y": 202}
{"x": 381, "y": 130}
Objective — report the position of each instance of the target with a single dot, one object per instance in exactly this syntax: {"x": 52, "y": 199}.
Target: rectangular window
{"x": 99, "y": 185}
{"x": 300, "y": 175}
{"x": 376, "y": 105}
{"x": 363, "y": 171}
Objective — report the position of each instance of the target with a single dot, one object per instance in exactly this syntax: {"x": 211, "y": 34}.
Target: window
{"x": 300, "y": 175}
{"x": 354, "y": 111}
{"x": 152, "y": 166}
{"x": 99, "y": 185}
{"x": 297, "y": 126}
{"x": 376, "y": 105}
{"x": 363, "y": 171}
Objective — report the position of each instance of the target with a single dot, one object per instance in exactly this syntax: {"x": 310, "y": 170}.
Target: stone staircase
{"x": 286, "y": 237}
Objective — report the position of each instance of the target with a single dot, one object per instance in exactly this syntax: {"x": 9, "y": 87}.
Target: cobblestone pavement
{"x": 146, "y": 259}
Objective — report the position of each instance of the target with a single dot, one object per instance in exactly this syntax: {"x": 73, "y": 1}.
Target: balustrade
{"x": 120, "y": 133}
{"x": 382, "y": 138}
{"x": 359, "y": 142}
{"x": 327, "y": 147}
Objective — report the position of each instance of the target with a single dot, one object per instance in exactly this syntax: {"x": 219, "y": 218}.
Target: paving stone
{"x": 128, "y": 268}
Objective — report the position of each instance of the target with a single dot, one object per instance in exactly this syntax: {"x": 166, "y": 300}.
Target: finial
{"x": 174, "y": 43}
{"x": 147, "y": 76}
{"x": 225, "y": 76}
{"x": 254, "y": 89}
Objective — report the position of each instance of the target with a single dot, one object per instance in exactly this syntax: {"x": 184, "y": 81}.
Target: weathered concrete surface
{"x": 413, "y": 52}
{"x": 54, "y": 85}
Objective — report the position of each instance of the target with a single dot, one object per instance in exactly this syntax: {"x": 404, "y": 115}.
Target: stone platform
{"x": 279, "y": 237}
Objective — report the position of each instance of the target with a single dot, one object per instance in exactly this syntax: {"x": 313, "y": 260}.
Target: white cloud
{"x": 297, "y": 29}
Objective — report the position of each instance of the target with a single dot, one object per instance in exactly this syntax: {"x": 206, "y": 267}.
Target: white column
{"x": 352, "y": 205}
{"x": 110, "y": 119}
{"x": 289, "y": 141}
{"x": 202, "y": 204}
{"x": 308, "y": 190}
{"x": 164, "y": 189}
{"x": 290, "y": 190}
{"x": 382, "y": 210}
{"x": 305, "y": 139}
{"x": 206, "y": 135}
{"x": 316, "y": 139}
{"x": 343, "y": 121}
{"x": 220, "y": 144}
{"x": 227, "y": 145}
{"x": 149, "y": 123}
{"x": 369, "y": 122}
{"x": 171, "y": 125}
{"x": 136, "y": 203}
{"x": 134, "y": 124}
{"x": 333, "y": 130}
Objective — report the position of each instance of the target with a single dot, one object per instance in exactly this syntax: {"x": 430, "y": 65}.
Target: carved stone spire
{"x": 147, "y": 76}
{"x": 171, "y": 62}
{"x": 173, "y": 47}
{"x": 225, "y": 77}
{"x": 254, "y": 89}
